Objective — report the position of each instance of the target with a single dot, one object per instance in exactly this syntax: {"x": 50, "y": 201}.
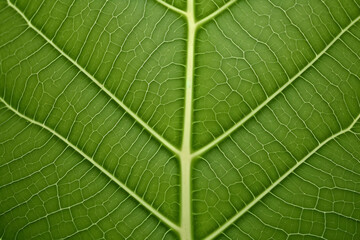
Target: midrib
{"x": 185, "y": 154}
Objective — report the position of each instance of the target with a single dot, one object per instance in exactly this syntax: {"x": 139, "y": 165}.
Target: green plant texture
{"x": 175, "y": 119}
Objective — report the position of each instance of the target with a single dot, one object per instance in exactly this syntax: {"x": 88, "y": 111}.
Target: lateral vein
{"x": 263, "y": 104}
{"x": 101, "y": 168}
{"x": 215, "y": 13}
{"x": 175, "y": 9}
{"x": 277, "y": 182}
{"x": 161, "y": 139}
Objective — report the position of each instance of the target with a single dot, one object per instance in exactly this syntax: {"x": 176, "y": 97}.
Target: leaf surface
{"x": 176, "y": 119}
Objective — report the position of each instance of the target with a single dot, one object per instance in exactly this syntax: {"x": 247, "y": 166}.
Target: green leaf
{"x": 174, "y": 119}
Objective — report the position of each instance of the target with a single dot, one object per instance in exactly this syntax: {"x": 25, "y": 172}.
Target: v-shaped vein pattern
{"x": 169, "y": 119}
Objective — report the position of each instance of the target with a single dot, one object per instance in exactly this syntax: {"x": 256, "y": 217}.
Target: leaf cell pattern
{"x": 174, "y": 119}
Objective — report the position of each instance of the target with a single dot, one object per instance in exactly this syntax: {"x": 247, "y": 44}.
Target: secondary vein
{"x": 277, "y": 182}
{"x": 281, "y": 89}
{"x": 160, "y": 138}
{"x": 101, "y": 168}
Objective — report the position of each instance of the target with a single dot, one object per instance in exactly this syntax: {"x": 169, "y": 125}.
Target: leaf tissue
{"x": 175, "y": 119}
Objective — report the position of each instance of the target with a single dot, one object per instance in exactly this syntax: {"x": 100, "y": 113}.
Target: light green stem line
{"x": 215, "y": 13}
{"x": 101, "y": 168}
{"x": 185, "y": 154}
{"x": 263, "y": 104}
{"x": 175, "y": 9}
{"x": 277, "y": 182}
{"x": 100, "y": 85}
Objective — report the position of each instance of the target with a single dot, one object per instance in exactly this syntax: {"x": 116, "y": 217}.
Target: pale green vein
{"x": 277, "y": 182}
{"x": 175, "y": 9}
{"x": 215, "y": 13}
{"x": 263, "y": 104}
{"x": 100, "y": 85}
{"x": 101, "y": 168}
{"x": 185, "y": 154}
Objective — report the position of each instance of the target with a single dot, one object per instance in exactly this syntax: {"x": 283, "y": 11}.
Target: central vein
{"x": 185, "y": 154}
